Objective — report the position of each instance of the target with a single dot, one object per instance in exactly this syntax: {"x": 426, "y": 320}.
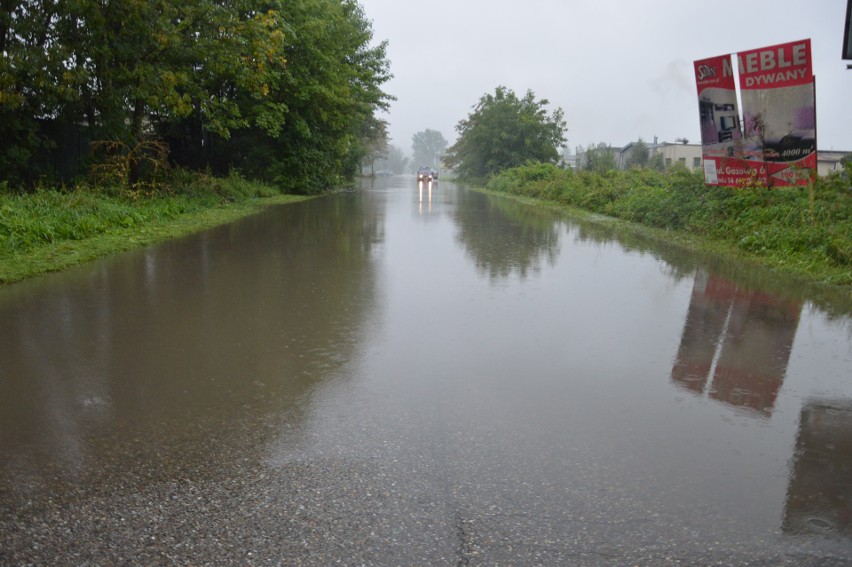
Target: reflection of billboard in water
{"x": 818, "y": 496}
{"x": 735, "y": 344}
{"x": 777, "y": 144}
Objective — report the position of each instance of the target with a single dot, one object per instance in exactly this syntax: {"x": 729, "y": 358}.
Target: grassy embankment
{"x": 50, "y": 230}
{"x": 803, "y": 232}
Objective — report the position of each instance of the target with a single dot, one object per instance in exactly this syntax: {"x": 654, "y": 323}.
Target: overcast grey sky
{"x": 619, "y": 69}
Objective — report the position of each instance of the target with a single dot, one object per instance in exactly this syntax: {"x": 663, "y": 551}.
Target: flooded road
{"x": 422, "y": 376}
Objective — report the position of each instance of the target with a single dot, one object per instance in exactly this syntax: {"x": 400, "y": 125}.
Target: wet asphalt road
{"x": 394, "y": 378}
{"x": 443, "y": 501}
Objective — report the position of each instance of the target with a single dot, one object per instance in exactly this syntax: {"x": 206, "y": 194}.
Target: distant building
{"x": 568, "y": 160}
{"x": 688, "y": 155}
{"x": 828, "y": 161}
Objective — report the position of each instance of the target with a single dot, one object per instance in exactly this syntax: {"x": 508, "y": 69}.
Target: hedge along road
{"x": 427, "y": 375}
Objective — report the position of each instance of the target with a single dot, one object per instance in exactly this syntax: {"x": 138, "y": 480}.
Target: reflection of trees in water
{"x": 735, "y": 344}
{"x": 682, "y": 262}
{"x": 679, "y": 263}
{"x": 818, "y": 496}
{"x": 172, "y": 355}
{"x": 505, "y": 236}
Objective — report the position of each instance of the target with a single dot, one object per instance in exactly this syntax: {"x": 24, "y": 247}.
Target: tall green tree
{"x": 395, "y": 161}
{"x": 599, "y": 157}
{"x": 155, "y": 62}
{"x": 122, "y": 67}
{"x": 331, "y": 88}
{"x": 373, "y": 142}
{"x": 505, "y": 131}
{"x": 287, "y": 90}
{"x": 34, "y": 83}
{"x": 639, "y": 154}
{"x": 657, "y": 162}
{"x": 428, "y": 145}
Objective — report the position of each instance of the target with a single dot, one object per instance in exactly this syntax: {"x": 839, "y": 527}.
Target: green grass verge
{"x": 51, "y": 230}
{"x": 803, "y": 232}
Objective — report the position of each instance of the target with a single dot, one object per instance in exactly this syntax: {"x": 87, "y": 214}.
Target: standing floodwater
{"x": 422, "y": 375}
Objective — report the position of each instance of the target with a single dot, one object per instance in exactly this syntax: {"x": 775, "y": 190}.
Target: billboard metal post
{"x": 847, "y": 34}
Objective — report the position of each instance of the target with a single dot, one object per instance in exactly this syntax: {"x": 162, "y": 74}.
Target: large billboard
{"x": 776, "y": 142}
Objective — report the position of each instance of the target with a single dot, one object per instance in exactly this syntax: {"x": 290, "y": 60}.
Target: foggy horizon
{"x": 620, "y": 70}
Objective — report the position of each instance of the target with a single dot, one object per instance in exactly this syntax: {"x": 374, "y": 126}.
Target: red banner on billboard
{"x": 779, "y": 111}
{"x": 777, "y": 145}
{"x": 785, "y": 65}
{"x": 720, "y": 119}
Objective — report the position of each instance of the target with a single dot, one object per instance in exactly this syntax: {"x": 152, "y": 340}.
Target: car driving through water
{"x": 425, "y": 174}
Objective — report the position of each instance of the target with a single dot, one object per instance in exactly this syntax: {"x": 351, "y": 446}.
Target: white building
{"x": 828, "y": 161}
{"x": 687, "y": 155}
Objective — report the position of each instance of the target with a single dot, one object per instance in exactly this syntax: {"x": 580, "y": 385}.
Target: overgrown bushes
{"x": 807, "y": 231}
{"x": 50, "y": 215}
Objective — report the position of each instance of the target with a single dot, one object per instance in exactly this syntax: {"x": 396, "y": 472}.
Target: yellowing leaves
{"x": 303, "y": 74}
{"x": 168, "y": 78}
{"x": 11, "y": 99}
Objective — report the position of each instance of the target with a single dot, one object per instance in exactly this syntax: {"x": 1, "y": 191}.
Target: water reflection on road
{"x": 736, "y": 343}
{"x": 152, "y": 350}
{"x": 419, "y": 374}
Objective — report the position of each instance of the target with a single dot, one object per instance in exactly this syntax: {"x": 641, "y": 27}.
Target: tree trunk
{"x": 133, "y": 157}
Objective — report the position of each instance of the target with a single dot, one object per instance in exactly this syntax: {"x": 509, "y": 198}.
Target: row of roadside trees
{"x": 503, "y": 131}
{"x": 286, "y": 91}
{"x": 506, "y": 130}
{"x": 427, "y": 146}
